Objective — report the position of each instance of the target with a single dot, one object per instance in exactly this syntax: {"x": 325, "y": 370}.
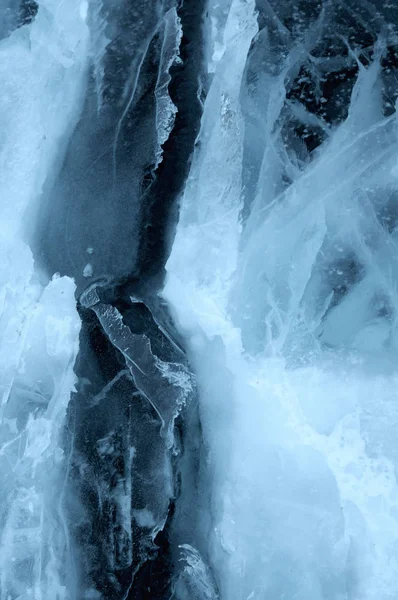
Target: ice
{"x": 9, "y": 18}
{"x": 120, "y": 487}
{"x": 126, "y": 448}
{"x": 43, "y": 66}
{"x": 214, "y": 173}
{"x": 88, "y": 270}
{"x": 194, "y": 582}
{"x": 34, "y": 536}
{"x": 168, "y": 386}
{"x": 283, "y": 279}
{"x": 46, "y": 57}
{"x": 165, "y": 108}
{"x": 98, "y": 44}
{"x": 271, "y": 472}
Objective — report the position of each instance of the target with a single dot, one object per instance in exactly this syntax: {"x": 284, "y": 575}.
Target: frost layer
{"x": 283, "y": 277}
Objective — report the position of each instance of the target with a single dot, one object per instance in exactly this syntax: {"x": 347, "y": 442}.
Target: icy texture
{"x": 119, "y": 489}
{"x": 34, "y": 533}
{"x": 194, "y": 582}
{"x": 166, "y": 385}
{"x": 166, "y": 34}
{"x": 42, "y": 68}
{"x": 40, "y": 100}
{"x": 165, "y": 108}
{"x": 283, "y": 278}
{"x": 125, "y": 448}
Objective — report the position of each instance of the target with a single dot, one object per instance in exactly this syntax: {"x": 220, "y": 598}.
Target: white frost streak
{"x": 207, "y": 238}
{"x": 298, "y": 393}
{"x": 165, "y": 108}
{"x": 42, "y": 69}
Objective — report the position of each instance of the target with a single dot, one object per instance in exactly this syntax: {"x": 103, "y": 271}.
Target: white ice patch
{"x": 88, "y": 270}
{"x": 38, "y": 384}
{"x": 144, "y": 517}
{"x": 291, "y": 323}
{"x": 165, "y": 108}
{"x": 84, "y": 10}
{"x": 42, "y": 70}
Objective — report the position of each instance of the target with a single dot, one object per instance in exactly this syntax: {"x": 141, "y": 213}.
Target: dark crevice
{"x": 160, "y": 210}
{"x": 15, "y": 14}
{"x": 120, "y": 417}
{"x": 324, "y": 80}
{"x": 27, "y": 12}
{"x": 150, "y": 574}
{"x": 154, "y": 577}
{"x": 108, "y": 411}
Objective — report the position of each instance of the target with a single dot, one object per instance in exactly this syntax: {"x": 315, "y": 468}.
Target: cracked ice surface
{"x": 283, "y": 278}
{"x": 42, "y": 66}
{"x": 166, "y": 385}
{"x": 278, "y": 478}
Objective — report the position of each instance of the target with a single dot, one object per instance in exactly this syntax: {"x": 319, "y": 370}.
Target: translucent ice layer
{"x": 42, "y": 67}
{"x": 283, "y": 278}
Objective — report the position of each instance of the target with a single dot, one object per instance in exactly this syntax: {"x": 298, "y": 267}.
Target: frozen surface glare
{"x": 42, "y": 65}
{"x": 283, "y": 278}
